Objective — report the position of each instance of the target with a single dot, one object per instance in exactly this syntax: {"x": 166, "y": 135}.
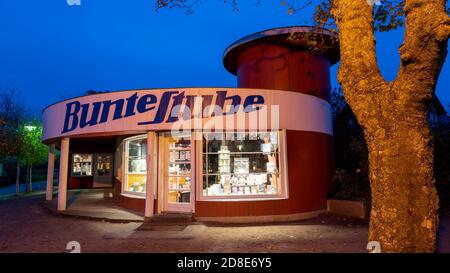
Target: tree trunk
{"x": 394, "y": 118}
{"x": 404, "y": 199}
{"x": 18, "y": 177}
{"x": 29, "y": 178}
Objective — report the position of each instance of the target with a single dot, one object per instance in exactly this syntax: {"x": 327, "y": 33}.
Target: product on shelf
{"x": 224, "y": 160}
{"x": 241, "y": 165}
{"x": 137, "y": 187}
{"x": 270, "y": 167}
{"x": 179, "y": 172}
{"x": 242, "y": 184}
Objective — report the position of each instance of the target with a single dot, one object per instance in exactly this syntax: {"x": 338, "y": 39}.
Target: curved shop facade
{"x": 259, "y": 152}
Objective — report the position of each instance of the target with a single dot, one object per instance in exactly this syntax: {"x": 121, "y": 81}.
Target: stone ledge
{"x": 356, "y": 209}
{"x": 261, "y": 219}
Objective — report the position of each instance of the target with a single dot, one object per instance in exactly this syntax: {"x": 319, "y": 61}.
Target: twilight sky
{"x": 51, "y": 51}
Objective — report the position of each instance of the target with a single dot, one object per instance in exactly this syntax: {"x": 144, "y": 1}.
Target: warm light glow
{"x": 30, "y": 127}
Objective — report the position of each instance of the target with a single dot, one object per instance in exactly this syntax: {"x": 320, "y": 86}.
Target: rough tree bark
{"x": 394, "y": 117}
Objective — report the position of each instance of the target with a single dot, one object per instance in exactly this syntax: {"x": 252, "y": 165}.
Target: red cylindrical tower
{"x": 294, "y": 59}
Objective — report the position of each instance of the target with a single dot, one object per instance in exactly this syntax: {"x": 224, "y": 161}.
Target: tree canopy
{"x": 32, "y": 151}
{"x": 388, "y": 15}
{"x": 12, "y": 115}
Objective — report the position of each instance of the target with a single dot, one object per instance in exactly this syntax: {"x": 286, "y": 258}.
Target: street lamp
{"x": 30, "y": 127}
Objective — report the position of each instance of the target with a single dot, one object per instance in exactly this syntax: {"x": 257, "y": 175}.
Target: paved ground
{"x": 26, "y": 226}
{"x": 99, "y": 204}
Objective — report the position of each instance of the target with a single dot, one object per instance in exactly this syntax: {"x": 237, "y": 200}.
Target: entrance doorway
{"x": 176, "y": 172}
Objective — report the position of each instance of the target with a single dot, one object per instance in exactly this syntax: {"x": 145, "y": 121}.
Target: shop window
{"x": 136, "y": 165}
{"x": 82, "y": 165}
{"x": 103, "y": 165}
{"x": 243, "y": 165}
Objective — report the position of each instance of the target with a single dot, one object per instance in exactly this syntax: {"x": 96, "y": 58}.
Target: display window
{"x": 243, "y": 165}
{"x": 136, "y": 165}
{"x": 82, "y": 164}
{"x": 103, "y": 167}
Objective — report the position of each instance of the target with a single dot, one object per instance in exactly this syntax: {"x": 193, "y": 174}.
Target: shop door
{"x": 103, "y": 177}
{"x": 176, "y": 158}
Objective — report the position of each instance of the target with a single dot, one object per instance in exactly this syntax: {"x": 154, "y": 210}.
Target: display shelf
{"x": 238, "y": 174}
{"x": 180, "y": 149}
{"x": 180, "y": 162}
{"x": 177, "y": 189}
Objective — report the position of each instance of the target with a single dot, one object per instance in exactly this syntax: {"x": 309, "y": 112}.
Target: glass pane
{"x": 212, "y": 163}
{"x": 82, "y": 165}
{"x": 241, "y": 142}
{"x": 179, "y": 183}
{"x": 179, "y": 155}
{"x": 212, "y": 187}
{"x": 136, "y": 165}
{"x": 205, "y": 185}
{"x": 242, "y": 184}
{"x": 137, "y": 148}
{"x": 136, "y": 183}
{"x": 103, "y": 165}
{"x": 179, "y": 197}
{"x": 179, "y": 169}
{"x": 241, "y": 164}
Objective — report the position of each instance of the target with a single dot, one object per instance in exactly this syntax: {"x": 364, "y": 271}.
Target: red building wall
{"x": 278, "y": 67}
{"x": 309, "y": 170}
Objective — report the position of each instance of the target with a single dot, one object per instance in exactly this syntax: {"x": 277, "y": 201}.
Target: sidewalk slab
{"x": 100, "y": 205}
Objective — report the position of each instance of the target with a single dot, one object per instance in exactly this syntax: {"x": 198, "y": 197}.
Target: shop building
{"x": 258, "y": 152}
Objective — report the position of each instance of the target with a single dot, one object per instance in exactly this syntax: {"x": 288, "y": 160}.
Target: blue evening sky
{"x": 50, "y": 51}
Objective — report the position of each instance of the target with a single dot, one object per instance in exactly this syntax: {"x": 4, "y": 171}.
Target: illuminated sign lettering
{"x": 78, "y": 115}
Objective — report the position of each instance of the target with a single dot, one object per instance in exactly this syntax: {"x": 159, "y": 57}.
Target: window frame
{"x": 282, "y": 161}
{"x": 125, "y": 190}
